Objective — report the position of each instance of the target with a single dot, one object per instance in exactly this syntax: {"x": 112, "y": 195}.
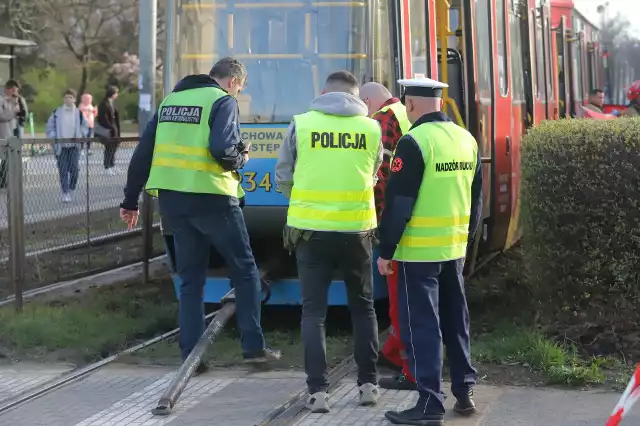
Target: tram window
{"x": 382, "y": 53}
{"x": 503, "y": 60}
{"x": 483, "y": 50}
{"x": 540, "y": 87}
{"x": 417, "y": 28}
{"x": 517, "y": 65}
{"x": 549, "y": 62}
{"x": 577, "y": 66}
{"x": 283, "y": 45}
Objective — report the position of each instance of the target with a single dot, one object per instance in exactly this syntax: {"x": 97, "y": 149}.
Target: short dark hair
{"x": 596, "y": 92}
{"x": 343, "y": 77}
{"x": 228, "y": 67}
{"x": 12, "y": 84}
{"x": 111, "y": 90}
{"x": 71, "y": 92}
{"x": 342, "y": 81}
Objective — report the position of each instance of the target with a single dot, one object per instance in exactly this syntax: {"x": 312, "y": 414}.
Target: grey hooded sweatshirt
{"x": 334, "y": 103}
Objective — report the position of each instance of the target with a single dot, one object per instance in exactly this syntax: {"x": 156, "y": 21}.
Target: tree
{"x": 87, "y": 27}
{"x": 17, "y": 19}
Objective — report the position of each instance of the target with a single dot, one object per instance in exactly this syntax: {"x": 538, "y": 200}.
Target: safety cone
{"x": 628, "y": 398}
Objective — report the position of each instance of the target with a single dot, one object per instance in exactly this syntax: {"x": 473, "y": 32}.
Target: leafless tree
{"x": 87, "y": 26}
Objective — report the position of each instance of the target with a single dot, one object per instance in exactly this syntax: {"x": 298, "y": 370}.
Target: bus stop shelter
{"x": 7, "y": 56}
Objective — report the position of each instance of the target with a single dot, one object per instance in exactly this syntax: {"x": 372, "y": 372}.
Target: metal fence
{"x": 59, "y": 211}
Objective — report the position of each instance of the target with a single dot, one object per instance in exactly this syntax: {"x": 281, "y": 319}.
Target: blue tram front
{"x": 289, "y": 49}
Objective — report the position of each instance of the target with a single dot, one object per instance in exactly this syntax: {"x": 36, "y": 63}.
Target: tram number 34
{"x": 252, "y": 181}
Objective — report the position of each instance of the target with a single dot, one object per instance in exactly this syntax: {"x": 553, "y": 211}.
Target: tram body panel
{"x": 289, "y": 48}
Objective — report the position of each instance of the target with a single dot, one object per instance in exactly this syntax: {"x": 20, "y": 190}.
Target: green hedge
{"x": 581, "y": 211}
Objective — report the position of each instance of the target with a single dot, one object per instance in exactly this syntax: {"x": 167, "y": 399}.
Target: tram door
{"x": 564, "y": 72}
{"x": 503, "y": 135}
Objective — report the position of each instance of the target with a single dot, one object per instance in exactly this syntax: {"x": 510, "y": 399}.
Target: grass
{"x": 559, "y": 364}
{"x": 88, "y": 327}
{"x": 107, "y": 320}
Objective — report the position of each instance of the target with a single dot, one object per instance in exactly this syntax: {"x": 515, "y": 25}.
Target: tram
{"x": 510, "y": 64}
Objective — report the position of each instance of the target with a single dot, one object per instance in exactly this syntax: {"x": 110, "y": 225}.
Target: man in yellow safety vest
{"x": 188, "y": 156}
{"x": 433, "y": 204}
{"x": 327, "y": 165}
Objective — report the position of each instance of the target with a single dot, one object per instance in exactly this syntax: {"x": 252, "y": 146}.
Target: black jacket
{"x": 109, "y": 118}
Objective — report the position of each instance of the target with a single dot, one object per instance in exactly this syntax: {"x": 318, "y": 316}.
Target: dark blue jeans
{"x": 68, "y": 167}
{"x": 225, "y": 229}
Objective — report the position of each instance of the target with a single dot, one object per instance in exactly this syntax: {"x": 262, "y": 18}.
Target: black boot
{"x": 399, "y": 382}
{"x": 415, "y": 416}
{"x": 385, "y": 362}
{"x": 465, "y": 405}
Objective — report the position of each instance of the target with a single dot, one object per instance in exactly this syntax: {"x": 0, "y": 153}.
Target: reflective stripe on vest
{"x": 333, "y": 178}
{"x": 439, "y": 227}
{"x": 400, "y": 112}
{"x": 181, "y": 158}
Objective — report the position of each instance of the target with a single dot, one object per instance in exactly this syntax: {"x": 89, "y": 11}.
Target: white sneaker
{"x": 66, "y": 198}
{"x": 369, "y": 394}
{"x": 72, "y": 195}
{"x": 318, "y": 402}
{"x": 111, "y": 172}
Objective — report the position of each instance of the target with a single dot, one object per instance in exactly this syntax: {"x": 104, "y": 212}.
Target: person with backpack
{"x": 67, "y": 122}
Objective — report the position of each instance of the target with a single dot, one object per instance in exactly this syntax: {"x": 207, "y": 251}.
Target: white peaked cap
{"x": 422, "y": 82}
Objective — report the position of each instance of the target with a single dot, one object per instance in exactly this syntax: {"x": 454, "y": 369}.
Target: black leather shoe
{"x": 385, "y": 362}
{"x": 414, "y": 416}
{"x": 465, "y": 405}
{"x": 399, "y": 382}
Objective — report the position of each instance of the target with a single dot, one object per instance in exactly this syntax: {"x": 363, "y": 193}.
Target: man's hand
{"x": 245, "y": 152}
{"x": 130, "y": 217}
{"x": 384, "y": 266}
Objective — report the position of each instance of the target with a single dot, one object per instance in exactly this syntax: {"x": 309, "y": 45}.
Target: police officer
{"x": 394, "y": 123}
{"x": 327, "y": 166}
{"x": 188, "y": 156}
{"x": 433, "y": 204}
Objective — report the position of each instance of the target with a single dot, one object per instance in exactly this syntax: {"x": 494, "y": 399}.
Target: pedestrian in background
{"x": 189, "y": 156}
{"x": 10, "y": 111}
{"x": 327, "y": 166}
{"x": 108, "y": 128}
{"x": 90, "y": 113}
{"x": 67, "y": 122}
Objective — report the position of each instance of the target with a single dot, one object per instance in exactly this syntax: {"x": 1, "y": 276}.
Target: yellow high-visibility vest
{"x": 333, "y": 179}
{"x": 181, "y": 158}
{"x": 439, "y": 226}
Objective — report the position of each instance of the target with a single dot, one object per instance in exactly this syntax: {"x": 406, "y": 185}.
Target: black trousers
{"x": 110, "y": 148}
{"x": 317, "y": 258}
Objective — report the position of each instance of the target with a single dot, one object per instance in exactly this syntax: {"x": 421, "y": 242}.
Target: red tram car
{"x": 510, "y": 64}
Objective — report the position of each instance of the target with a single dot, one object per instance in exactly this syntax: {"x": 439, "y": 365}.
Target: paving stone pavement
{"x": 124, "y": 395}
{"x": 18, "y": 378}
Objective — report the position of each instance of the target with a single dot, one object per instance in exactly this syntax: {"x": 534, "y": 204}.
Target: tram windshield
{"x": 289, "y": 48}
